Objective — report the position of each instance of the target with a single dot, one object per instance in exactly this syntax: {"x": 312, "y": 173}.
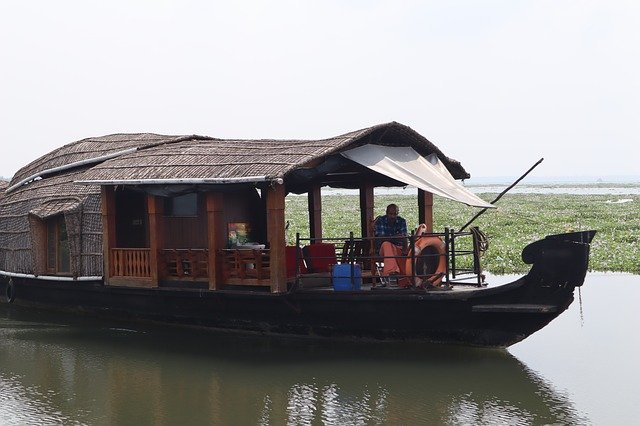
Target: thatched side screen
{"x": 23, "y": 216}
{"x": 91, "y": 248}
{"x": 15, "y": 236}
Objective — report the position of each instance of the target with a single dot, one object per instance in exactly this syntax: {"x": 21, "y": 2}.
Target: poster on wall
{"x": 238, "y": 233}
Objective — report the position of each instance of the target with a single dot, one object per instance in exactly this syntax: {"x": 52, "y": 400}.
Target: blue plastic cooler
{"x": 341, "y": 275}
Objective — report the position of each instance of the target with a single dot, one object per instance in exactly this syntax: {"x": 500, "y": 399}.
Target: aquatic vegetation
{"x": 518, "y": 220}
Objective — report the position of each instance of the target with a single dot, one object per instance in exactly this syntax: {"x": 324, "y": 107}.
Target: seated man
{"x": 393, "y": 229}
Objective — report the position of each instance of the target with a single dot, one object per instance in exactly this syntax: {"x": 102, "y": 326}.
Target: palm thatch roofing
{"x": 3, "y": 186}
{"x": 293, "y": 161}
{"x": 90, "y": 151}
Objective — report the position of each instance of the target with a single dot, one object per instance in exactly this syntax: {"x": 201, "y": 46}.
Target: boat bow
{"x": 559, "y": 260}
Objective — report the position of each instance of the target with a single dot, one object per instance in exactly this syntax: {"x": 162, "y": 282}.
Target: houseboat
{"x": 190, "y": 230}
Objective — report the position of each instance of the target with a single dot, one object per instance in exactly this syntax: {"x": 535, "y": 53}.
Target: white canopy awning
{"x": 406, "y": 165}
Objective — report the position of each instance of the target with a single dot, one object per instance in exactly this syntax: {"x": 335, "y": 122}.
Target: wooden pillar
{"x": 216, "y": 233}
{"x": 425, "y": 209}
{"x": 108, "y": 206}
{"x": 156, "y": 236}
{"x": 366, "y": 209}
{"x": 275, "y": 236}
{"x": 315, "y": 212}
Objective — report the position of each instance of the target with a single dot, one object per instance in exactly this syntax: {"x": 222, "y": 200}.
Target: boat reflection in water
{"x": 59, "y": 370}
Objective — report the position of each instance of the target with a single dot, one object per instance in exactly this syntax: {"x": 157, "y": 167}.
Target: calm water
{"x": 581, "y": 369}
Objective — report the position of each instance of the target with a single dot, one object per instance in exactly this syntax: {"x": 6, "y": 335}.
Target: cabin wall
{"x": 241, "y": 206}
{"x": 187, "y": 232}
{"x": 246, "y": 206}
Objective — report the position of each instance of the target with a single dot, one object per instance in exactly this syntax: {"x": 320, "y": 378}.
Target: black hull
{"x": 499, "y": 316}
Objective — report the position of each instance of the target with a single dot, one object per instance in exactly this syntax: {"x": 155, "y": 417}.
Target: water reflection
{"x": 59, "y": 370}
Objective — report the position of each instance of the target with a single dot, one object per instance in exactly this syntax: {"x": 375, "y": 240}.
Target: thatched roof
{"x": 49, "y": 177}
{"x": 146, "y": 156}
{"x": 85, "y": 150}
{"x": 272, "y": 159}
{"x": 3, "y": 185}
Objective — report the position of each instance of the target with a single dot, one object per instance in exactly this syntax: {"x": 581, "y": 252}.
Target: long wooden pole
{"x": 502, "y": 193}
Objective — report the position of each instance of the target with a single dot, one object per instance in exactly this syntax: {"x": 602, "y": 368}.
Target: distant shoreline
{"x": 569, "y": 188}
{"x": 545, "y": 180}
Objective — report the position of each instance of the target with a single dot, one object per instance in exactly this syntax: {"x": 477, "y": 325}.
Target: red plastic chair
{"x": 290, "y": 259}
{"x": 320, "y": 257}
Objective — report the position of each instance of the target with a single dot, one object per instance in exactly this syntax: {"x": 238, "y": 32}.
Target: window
{"x": 182, "y": 205}
{"x": 58, "y": 258}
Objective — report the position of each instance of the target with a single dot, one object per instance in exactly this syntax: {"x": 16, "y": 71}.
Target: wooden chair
{"x": 357, "y": 251}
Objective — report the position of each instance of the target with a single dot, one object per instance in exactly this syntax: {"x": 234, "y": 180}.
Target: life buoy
{"x": 10, "y": 291}
{"x": 422, "y": 243}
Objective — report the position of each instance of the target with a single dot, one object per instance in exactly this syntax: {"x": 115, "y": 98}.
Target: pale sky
{"x": 494, "y": 84}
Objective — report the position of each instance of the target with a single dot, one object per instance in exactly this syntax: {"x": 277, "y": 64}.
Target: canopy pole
{"x": 314, "y": 202}
{"x": 425, "y": 208}
{"x": 366, "y": 209}
{"x": 501, "y": 194}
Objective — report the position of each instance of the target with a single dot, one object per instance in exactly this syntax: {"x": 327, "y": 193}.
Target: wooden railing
{"x": 240, "y": 267}
{"x": 130, "y": 262}
{"x": 246, "y": 266}
{"x": 189, "y": 264}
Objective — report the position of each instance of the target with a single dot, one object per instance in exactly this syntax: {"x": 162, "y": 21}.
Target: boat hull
{"x": 491, "y": 316}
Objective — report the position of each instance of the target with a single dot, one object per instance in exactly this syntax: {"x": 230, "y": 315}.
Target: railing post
{"x": 452, "y": 242}
{"x": 179, "y": 266}
{"x": 476, "y": 256}
{"x": 447, "y": 252}
{"x": 298, "y": 254}
{"x": 298, "y": 259}
{"x": 412, "y": 247}
{"x": 112, "y": 263}
{"x": 351, "y": 260}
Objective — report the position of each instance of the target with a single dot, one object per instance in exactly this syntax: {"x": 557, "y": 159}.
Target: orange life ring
{"x": 422, "y": 243}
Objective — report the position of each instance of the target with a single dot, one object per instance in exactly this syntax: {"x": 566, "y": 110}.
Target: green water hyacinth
{"x": 518, "y": 220}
